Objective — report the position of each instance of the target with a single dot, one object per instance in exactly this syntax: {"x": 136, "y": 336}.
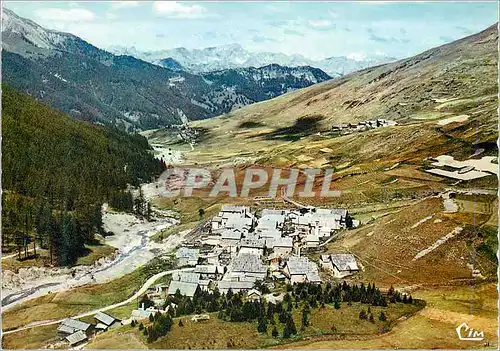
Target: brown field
{"x": 432, "y": 327}
{"x": 218, "y": 334}
{"x": 387, "y": 246}
{"x": 35, "y": 338}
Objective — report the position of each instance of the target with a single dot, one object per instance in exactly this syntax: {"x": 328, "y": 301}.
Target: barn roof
{"x": 205, "y": 269}
{"x": 104, "y": 318}
{"x": 101, "y": 326}
{"x": 226, "y": 285}
{"x": 344, "y": 262}
{"x": 185, "y": 288}
{"x": 75, "y": 324}
{"x": 189, "y": 277}
{"x": 248, "y": 263}
{"x": 302, "y": 266}
{"x": 65, "y": 329}
{"x": 231, "y": 234}
{"x": 77, "y": 337}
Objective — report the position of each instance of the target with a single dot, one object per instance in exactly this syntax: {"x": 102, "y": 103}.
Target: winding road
{"x": 139, "y": 293}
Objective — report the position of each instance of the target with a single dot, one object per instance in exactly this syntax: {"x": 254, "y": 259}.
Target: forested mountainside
{"x": 94, "y": 85}
{"x": 269, "y": 81}
{"x": 57, "y": 172}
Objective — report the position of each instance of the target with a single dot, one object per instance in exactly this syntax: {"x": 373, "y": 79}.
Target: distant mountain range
{"x": 234, "y": 56}
{"x": 95, "y": 85}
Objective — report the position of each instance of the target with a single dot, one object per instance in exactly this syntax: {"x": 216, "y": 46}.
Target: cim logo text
{"x": 468, "y": 334}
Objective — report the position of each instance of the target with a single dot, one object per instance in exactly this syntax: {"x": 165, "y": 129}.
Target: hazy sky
{"x": 316, "y": 30}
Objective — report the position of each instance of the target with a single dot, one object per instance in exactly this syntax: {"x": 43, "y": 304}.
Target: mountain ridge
{"x": 229, "y": 56}
{"x": 452, "y": 79}
{"x": 97, "y": 86}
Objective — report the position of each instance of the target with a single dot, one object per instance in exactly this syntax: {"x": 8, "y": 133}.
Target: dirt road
{"x": 138, "y": 294}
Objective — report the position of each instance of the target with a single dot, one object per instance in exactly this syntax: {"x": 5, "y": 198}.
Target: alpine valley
{"x": 372, "y": 223}
{"x": 95, "y": 85}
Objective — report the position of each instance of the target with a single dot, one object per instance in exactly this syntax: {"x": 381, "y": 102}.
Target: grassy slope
{"x": 94, "y": 253}
{"x": 218, "y": 334}
{"x": 386, "y": 246}
{"x": 434, "y": 326}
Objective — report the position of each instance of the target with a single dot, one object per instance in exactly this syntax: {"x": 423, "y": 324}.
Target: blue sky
{"x": 315, "y": 30}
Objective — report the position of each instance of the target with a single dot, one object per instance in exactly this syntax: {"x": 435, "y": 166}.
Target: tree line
{"x": 57, "y": 173}
{"x": 303, "y": 297}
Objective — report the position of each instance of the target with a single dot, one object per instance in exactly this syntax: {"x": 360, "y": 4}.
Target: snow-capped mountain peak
{"x": 34, "y": 34}
{"x": 230, "y": 56}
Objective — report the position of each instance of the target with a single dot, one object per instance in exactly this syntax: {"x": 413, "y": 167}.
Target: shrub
{"x": 275, "y": 332}
{"x": 382, "y": 317}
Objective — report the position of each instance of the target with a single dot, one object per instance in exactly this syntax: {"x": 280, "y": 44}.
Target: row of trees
{"x": 369, "y": 316}
{"x": 27, "y": 222}
{"x": 317, "y": 294}
{"x": 233, "y": 307}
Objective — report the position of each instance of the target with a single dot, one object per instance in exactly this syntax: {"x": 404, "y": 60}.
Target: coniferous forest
{"x": 57, "y": 173}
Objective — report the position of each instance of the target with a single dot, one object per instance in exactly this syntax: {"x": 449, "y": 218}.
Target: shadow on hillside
{"x": 250, "y": 124}
{"x": 303, "y": 126}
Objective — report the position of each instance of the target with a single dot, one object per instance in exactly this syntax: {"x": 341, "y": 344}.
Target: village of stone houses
{"x": 246, "y": 266}
{"x": 246, "y": 175}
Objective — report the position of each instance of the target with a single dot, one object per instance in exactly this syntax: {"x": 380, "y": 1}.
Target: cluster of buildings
{"x": 77, "y": 332}
{"x": 242, "y": 248}
{"x": 185, "y": 132}
{"x": 346, "y": 128}
{"x": 279, "y": 231}
{"x": 239, "y": 249}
